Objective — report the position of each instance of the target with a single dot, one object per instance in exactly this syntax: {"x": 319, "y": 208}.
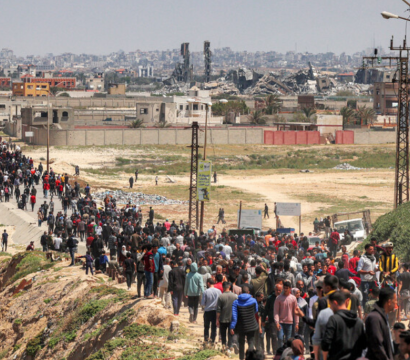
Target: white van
{"x": 355, "y": 226}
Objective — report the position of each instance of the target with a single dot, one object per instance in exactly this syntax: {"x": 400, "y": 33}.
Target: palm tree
{"x": 135, "y": 124}
{"x": 163, "y": 125}
{"x": 257, "y": 118}
{"x": 365, "y": 115}
{"x": 347, "y": 113}
{"x": 308, "y": 112}
{"x": 273, "y": 104}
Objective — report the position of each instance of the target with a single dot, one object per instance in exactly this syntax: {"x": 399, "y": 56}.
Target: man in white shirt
{"x": 164, "y": 295}
{"x": 228, "y": 251}
{"x": 57, "y": 242}
{"x": 366, "y": 267}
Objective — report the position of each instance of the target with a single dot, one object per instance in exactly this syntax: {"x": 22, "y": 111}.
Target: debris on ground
{"x": 137, "y": 198}
{"x": 346, "y": 166}
{"x": 306, "y": 171}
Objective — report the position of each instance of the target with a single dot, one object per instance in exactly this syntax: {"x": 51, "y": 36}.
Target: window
{"x": 195, "y": 107}
{"x": 2, "y": 106}
{"x": 65, "y": 113}
{"x": 187, "y": 107}
{"x": 144, "y": 111}
{"x": 157, "y": 109}
{"x": 202, "y": 107}
{"x": 21, "y": 87}
{"x": 181, "y": 107}
{"x": 44, "y": 86}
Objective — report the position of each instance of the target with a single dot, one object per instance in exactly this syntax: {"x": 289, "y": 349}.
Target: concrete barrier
{"x": 26, "y": 228}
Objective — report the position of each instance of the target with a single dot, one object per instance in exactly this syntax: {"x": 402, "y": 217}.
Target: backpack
{"x": 50, "y": 219}
{"x": 6, "y": 190}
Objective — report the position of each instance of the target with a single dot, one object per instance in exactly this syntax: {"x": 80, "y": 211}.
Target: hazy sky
{"x": 102, "y": 26}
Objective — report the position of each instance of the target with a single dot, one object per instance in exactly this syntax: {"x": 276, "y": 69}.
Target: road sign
{"x": 288, "y": 209}
{"x": 29, "y": 134}
{"x": 204, "y": 180}
{"x": 250, "y": 218}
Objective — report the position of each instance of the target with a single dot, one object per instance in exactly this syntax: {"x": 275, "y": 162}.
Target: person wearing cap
{"x": 388, "y": 263}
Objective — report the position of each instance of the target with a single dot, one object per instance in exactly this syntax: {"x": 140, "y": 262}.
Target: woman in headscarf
{"x": 297, "y": 349}
{"x": 123, "y": 255}
{"x": 303, "y": 305}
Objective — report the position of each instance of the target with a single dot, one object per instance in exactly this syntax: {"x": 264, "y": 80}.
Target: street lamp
{"x": 388, "y": 16}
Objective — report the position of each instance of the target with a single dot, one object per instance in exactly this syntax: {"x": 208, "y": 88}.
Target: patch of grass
{"x": 3, "y": 353}
{"x": 31, "y": 261}
{"x": 107, "y": 349}
{"x": 57, "y": 268}
{"x": 135, "y": 331}
{"x": 5, "y": 254}
{"x": 18, "y": 321}
{"x": 47, "y": 301}
{"x": 201, "y": 355}
{"x": 16, "y": 347}
{"x": 34, "y": 345}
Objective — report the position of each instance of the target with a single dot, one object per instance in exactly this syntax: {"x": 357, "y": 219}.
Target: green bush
{"x": 34, "y": 345}
{"x": 395, "y": 226}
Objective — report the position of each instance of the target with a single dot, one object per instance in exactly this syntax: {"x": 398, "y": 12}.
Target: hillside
{"x": 51, "y": 311}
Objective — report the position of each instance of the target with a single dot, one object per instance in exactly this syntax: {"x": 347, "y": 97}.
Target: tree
{"x": 257, "y": 118}
{"x": 273, "y": 104}
{"x": 347, "y": 113}
{"x": 55, "y": 89}
{"x": 308, "y": 113}
{"x": 136, "y": 124}
{"x": 365, "y": 115}
{"x": 163, "y": 125}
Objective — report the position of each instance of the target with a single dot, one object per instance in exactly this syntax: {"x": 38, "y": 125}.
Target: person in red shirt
{"x": 32, "y": 201}
{"x": 89, "y": 241}
{"x": 218, "y": 282}
{"x": 334, "y": 241}
{"x": 46, "y": 188}
{"x": 353, "y": 262}
{"x": 149, "y": 269}
{"x": 331, "y": 269}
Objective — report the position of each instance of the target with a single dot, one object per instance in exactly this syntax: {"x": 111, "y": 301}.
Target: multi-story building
{"x": 5, "y": 81}
{"x": 30, "y": 89}
{"x": 385, "y": 98}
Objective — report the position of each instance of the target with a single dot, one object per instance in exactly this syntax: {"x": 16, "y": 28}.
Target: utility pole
{"x": 193, "y": 202}
{"x": 401, "y": 179}
{"x": 201, "y": 226}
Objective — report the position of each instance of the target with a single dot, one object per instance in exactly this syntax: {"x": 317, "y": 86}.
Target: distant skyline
{"x": 103, "y": 26}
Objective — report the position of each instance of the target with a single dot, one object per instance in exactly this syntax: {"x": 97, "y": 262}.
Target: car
{"x": 256, "y": 230}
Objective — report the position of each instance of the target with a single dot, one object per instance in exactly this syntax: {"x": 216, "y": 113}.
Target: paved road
{"x": 57, "y": 207}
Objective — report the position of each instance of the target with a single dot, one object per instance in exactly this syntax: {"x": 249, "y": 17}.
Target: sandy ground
{"x": 322, "y": 192}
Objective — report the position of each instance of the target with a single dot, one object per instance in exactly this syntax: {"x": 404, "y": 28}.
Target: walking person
{"x": 149, "y": 269}
{"x": 88, "y": 262}
{"x": 40, "y": 217}
{"x": 131, "y": 181}
{"x": 366, "y": 268}
{"x": 334, "y": 242}
{"x": 210, "y": 302}
{"x": 224, "y": 315}
{"x": 156, "y": 180}
{"x": 193, "y": 288}
{"x": 244, "y": 322}
{"x": 266, "y": 212}
{"x": 4, "y": 241}
{"x": 176, "y": 286}
{"x": 164, "y": 294}
{"x": 344, "y": 335}
{"x": 284, "y": 314}
{"x": 378, "y": 335}
{"x": 72, "y": 245}
{"x": 404, "y": 290}
{"x": 130, "y": 268}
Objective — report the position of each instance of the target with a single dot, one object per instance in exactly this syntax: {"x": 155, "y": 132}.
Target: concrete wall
{"x": 364, "y": 136}
{"x": 86, "y": 137}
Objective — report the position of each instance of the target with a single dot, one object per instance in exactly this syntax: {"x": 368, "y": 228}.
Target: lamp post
{"x": 48, "y": 132}
{"x": 207, "y": 105}
{"x": 387, "y": 15}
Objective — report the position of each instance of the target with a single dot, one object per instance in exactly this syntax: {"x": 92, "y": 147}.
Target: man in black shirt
{"x": 178, "y": 252}
{"x": 130, "y": 268}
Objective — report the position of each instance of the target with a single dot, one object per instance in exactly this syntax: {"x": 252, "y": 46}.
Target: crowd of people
{"x": 276, "y": 293}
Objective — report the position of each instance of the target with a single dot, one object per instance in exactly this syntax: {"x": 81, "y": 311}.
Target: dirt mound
{"x": 51, "y": 311}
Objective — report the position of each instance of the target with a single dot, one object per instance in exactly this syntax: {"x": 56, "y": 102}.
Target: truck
{"x": 358, "y": 223}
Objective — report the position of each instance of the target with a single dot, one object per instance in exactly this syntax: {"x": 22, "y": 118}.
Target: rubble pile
{"x": 137, "y": 198}
{"x": 346, "y": 166}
